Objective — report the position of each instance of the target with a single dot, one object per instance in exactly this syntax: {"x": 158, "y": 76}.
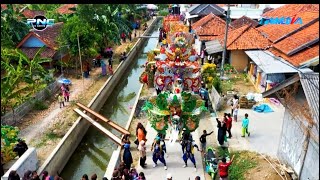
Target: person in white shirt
{"x": 235, "y": 102}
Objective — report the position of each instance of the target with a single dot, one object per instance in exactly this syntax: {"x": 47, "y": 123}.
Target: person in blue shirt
{"x": 204, "y": 95}
{"x": 245, "y": 124}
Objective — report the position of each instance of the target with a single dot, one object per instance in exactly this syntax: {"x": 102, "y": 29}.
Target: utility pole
{"x": 80, "y": 62}
{"x": 225, "y": 43}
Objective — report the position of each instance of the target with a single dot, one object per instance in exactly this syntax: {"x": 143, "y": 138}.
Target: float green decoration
{"x": 162, "y": 108}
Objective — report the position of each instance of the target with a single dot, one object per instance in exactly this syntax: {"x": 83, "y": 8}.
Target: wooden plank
{"x": 100, "y": 127}
{"x": 99, "y": 116}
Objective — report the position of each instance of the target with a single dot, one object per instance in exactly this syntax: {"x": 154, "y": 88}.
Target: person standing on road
{"x": 204, "y": 95}
{"x": 245, "y": 124}
{"x": 235, "y": 113}
{"x": 203, "y": 140}
{"x": 229, "y": 124}
{"x": 221, "y": 131}
{"x": 141, "y": 132}
{"x": 103, "y": 68}
{"x": 158, "y": 154}
{"x": 21, "y": 147}
{"x": 189, "y": 154}
{"x": 223, "y": 168}
{"x": 234, "y": 103}
{"x": 127, "y": 157}
{"x": 61, "y": 100}
{"x": 142, "y": 150}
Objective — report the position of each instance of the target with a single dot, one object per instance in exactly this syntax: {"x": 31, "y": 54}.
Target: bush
{"x": 217, "y": 84}
{"x": 39, "y": 105}
{"x": 163, "y": 13}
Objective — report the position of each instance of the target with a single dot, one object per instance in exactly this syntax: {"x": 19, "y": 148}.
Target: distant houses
{"x": 268, "y": 53}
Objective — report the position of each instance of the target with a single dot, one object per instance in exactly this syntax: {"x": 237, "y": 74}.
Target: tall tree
{"x": 106, "y": 20}
{"x": 13, "y": 26}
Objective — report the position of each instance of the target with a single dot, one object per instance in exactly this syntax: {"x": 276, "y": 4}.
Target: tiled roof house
{"x": 295, "y": 43}
{"x": 209, "y": 27}
{"x": 244, "y": 20}
{"x": 34, "y": 40}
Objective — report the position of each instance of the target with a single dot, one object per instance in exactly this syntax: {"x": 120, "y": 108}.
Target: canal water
{"x": 94, "y": 152}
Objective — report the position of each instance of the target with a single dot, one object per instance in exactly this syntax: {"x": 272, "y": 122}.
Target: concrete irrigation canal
{"x": 85, "y": 149}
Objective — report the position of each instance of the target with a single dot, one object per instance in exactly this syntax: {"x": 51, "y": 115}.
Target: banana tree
{"x": 22, "y": 77}
{"x": 13, "y": 26}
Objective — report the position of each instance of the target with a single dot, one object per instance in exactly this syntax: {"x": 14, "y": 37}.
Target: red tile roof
{"x": 50, "y": 35}
{"x": 3, "y": 6}
{"x": 32, "y": 13}
{"x": 207, "y": 38}
{"x": 246, "y": 37}
{"x": 291, "y": 10}
{"x": 298, "y": 39}
{"x": 65, "y": 9}
{"x": 210, "y": 25}
{"x": 244, "y": 20}
{"x": 300, "y": 57}
{"x": 26, "y": 12}
{"x": 31, "y": 52}
{"x": 275, "y": 31}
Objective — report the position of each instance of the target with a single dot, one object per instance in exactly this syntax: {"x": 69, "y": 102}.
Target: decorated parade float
{"x": 175, "y": 74}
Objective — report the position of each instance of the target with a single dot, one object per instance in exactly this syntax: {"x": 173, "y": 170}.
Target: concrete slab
{"x": 174, "y": 161}
{"x": 264, "y": 128}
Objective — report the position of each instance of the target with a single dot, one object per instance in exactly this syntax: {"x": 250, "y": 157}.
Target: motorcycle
{"x": 211, "y": 162}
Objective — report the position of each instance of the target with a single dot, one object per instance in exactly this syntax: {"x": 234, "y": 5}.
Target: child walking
{"x": 245, "y": 124}
{"x": 235, "y": 113}
{"x": 61, "y": 100}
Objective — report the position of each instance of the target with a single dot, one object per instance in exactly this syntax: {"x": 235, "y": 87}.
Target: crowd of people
{"x": 225, "y": 124}
{"x": 32, "y": 175}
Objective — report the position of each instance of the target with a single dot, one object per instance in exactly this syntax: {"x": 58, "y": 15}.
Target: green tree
{"x": 13, "y": 26}
{"x": 21, "y": 77}
{"x": 87, "y": 36}
{"x": 105, "y": 19}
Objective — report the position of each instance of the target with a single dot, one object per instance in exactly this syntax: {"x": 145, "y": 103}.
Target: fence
{"x": 15, "y": 116}
{"x": 215, "y": 99}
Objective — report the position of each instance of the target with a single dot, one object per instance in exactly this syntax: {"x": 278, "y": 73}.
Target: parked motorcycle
{"x": 211, "y": 162}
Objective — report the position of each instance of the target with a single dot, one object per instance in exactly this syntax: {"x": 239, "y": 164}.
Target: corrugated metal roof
{"x": 213, "y": 47}
{"x": 268, "y": 62}
{"x": 205, "y": 9}
{"x": 310, "y": 84}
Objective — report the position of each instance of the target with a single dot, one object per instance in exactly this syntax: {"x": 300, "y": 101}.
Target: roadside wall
{"x": 14, "y": 117}
{"x": 215, "y": 99}
{"x": 62, "y": 153}
{"x": 28, "y": 161}
{"x": 291, "y": 147}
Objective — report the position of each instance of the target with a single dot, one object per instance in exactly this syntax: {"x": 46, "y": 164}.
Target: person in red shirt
{"x": 223, "y": 168}
{"x": 229, "y": 124}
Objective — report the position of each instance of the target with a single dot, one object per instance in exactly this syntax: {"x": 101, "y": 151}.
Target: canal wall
{"x": 64, "y": 150}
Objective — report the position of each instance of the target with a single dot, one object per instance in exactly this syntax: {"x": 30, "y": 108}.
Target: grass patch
{"x": 51, "y": 135}
{"x": 222, "y": 152}
{"x": 40, "y": 105}
{"x": 243, "y": 161}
